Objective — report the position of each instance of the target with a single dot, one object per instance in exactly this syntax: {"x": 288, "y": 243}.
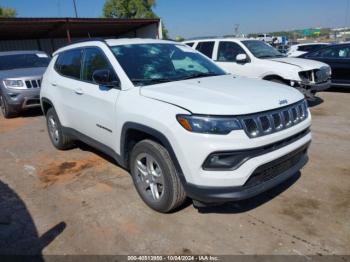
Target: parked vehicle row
{"x": 338, "y": 57}
{"x": 257, "y": 59}
{"x": 175, "y": 119}
{"x": 302, "y": 49}
{"x": 20, "y": 80}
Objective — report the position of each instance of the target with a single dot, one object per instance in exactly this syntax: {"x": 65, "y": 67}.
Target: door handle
{"x": 53, "y": 84}
{"x": 79, "y": 91}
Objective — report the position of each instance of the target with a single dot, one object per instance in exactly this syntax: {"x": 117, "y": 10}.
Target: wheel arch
{"x": 133, "y": 133}
{"x": 46, "y": 104}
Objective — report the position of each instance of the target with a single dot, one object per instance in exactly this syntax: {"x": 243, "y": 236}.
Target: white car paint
{"x": 83, "y": 106}
{"x": 294, "y": 50}
{"x": 285, "y": 68}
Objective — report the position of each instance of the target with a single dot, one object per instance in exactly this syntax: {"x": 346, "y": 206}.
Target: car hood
{"x": 23, "y": 72}
{"x": 304, "y": 64}
{"x": 223, "y": 95}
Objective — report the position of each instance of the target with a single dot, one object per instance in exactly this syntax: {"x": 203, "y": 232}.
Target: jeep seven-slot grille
{"x": 262, "y": 124}
{"x": 36, "y": 83}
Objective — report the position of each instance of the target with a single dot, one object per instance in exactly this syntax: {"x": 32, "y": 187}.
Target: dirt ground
{"x": 79, "y": 202}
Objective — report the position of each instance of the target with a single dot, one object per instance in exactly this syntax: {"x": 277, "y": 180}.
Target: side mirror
{"x": 241, "y": 58}
{"x": 105, "y": 77}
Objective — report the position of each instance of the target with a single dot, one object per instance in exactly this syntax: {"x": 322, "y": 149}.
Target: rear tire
{"x": 6, "y": 110}
{"x": 57, "y": 136}
{"x": 155, "y": 177}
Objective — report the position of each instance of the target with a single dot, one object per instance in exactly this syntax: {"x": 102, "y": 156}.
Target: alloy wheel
{"x": 149, "y": 176}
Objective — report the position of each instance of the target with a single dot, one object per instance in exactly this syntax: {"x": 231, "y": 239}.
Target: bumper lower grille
{"x": 261, "y": 124}
{"x": 273, "y": 169}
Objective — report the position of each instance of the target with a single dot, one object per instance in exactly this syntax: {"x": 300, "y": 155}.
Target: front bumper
{"x": 320, "y": 86}
{"x": 22, "y": 99}
{"x": 263, "y": 178}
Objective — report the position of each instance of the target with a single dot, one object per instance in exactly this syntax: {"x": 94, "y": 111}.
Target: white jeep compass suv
{"x": 178, "y": 122}
{"x": 257, "y": 59}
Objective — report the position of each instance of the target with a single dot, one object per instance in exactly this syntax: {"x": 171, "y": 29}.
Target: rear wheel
{"x": 6, "y": 110}
{"x": 155, "y": 177}
{"x": 57, "y": 136}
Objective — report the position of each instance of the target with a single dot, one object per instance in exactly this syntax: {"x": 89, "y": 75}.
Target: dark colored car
{"x": 20, "y": 80}
{"x": 338, "y": 57}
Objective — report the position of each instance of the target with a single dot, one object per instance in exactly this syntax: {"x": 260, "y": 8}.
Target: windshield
{"x": 147, "y": 64}
{"x": 8, "y": 62}
{"x": 262, "y": 50}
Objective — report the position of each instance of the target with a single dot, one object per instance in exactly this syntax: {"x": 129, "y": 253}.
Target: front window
{"x": 147, "y": 64}
{"x": 262, "y": 50}
{"x": 9, "y": 62}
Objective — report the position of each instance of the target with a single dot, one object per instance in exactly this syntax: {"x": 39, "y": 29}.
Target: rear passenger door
{"x": 206, "y": 48}
{"x": 67, "y": 83}
{"x": 96, "y": 103}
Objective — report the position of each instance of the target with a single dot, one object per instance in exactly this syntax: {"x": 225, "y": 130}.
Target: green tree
{"x": 7, "y": 12}
{"x": 131, "y": 9}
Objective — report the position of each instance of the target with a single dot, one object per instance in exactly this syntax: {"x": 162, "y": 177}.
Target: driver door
{"x": 226, "y": 59}
{"x": 97, "y": 103}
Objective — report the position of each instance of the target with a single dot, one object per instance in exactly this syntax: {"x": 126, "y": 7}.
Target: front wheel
{"x": 5, "y": 108}
{"x": 155, "y": 177}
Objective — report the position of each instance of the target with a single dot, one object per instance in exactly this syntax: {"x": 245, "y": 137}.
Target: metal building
{"x": 49, "y": 34}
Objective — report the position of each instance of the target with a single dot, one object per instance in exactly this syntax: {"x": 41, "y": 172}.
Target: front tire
{"x": 155, "y": 177}
{"x": 6, "y": 110}
{"x": 57, "y": 136}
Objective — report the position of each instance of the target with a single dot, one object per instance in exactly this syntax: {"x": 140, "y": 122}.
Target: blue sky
{"x": 192, "y": 18}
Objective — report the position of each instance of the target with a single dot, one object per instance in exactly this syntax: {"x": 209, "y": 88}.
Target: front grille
{"x": 262, "y": 124}
{"x": 273, "y": 169}
{"x": 35, "y": 83}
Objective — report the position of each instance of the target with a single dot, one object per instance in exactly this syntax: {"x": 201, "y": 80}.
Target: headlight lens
{"x": 14, "y": 83}
{"x": 208, "y": 124}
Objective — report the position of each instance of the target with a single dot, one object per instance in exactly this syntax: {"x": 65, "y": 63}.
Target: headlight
{"x": 208, "y": 124}
{"x": 14, "y": 84}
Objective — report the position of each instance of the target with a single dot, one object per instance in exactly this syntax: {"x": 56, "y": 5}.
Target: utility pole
{"x": 75, "y": 8}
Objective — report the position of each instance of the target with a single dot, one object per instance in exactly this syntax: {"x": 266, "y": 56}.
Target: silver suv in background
{"x": 20, "y": 80}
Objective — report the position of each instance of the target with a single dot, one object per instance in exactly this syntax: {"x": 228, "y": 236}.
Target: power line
{"x": 347, "y": 13}
{"x": 75, "y": 8}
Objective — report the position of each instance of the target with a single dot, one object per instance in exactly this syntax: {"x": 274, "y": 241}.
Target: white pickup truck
{"x": 257, "y": 59}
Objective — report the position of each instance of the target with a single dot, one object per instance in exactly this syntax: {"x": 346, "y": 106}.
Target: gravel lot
{"x": 79, "y": 202}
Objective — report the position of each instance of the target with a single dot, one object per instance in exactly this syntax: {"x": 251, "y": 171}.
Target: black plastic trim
{"x": 95, "y": 144}
{"x": 248, "y": 154}
{"x": 226, "y": 194}
{"x": 154, "y": 133}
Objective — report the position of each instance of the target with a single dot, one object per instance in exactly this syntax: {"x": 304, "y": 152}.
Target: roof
{"x": 115, "y": 42}
{"x": 21, "y": 52}
{"x": 219, "y": 39}
{"x": 35, "y": 28}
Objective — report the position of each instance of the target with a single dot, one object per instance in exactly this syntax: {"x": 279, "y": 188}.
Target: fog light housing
{"x": 223, "y": 161}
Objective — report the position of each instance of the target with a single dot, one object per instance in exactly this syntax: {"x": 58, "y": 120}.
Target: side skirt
{"x": 95, "y": 144}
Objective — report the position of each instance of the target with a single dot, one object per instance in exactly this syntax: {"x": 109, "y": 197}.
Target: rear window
{"x": 206, "y": 48}
{"x": 9, "y": 62}
{"x": 309, "y": 48}
{"x": 69, "y": 63}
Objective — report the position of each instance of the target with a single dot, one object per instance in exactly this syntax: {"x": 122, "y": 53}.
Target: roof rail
{"x": 100, "y": 39}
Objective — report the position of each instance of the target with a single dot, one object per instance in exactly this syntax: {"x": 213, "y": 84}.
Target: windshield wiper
{"x": 150, "y": 81}
{"x": 199, "y": 75}
{"x": 271, "y": 56}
